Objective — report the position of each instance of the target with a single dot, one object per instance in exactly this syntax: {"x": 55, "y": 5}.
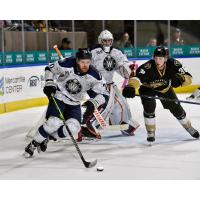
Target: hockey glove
{"x": 128, "y": 92}
{"x": 132, "y": 68}
{"x": 89, "y": 111}
{"x": 177, "y": 80}
{"x": 50, "y": 88}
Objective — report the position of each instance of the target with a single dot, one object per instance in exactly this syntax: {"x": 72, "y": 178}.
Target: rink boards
{"x": 21, "y": 86}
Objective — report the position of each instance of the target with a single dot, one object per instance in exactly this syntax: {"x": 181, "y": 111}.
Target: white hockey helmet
{"x": 103, "y": 37}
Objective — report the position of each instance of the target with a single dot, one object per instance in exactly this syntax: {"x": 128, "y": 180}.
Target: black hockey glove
{"x": 177, "y": 80}
{"x": 128, "y": 92}
{"x": 50, "y": 88}
{"x": 89, "y": 111}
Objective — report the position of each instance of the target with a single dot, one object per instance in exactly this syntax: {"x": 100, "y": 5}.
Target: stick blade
{"x": 90, "y": 164}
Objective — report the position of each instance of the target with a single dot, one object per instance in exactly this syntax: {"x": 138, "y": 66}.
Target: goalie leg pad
{"x": 121, "y": 112}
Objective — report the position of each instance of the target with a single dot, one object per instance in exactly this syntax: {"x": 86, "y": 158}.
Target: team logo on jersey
{"x": 73, "y": 86}
{"x": 51, "y": 65}
{"x": 109, "y": 63}
{"x": 142, "y": 71}
{"x": 177, "y": 63}
{"x": 147, "y": 66}
{"x": 181, "y": 70}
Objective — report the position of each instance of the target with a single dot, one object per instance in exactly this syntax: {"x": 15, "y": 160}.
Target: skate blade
{"x": 26, "y": 155}
{"x": 150, "y": 144}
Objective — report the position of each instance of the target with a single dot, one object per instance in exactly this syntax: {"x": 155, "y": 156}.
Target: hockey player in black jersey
{"x": 158, "y": 77}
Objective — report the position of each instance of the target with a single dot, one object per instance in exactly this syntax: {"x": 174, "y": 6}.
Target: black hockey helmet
{"x": 167, "y": 51}
{"x": 83, "y": 54}
{"x": 160, "y": 52}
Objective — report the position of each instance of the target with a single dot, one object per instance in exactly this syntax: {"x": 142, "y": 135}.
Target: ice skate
{"x": 193, "y": 132}
{"x": 89, "y": 134}
{"x": 29, "y": 150}
{"x": 150, "y": 137}
{"x": 43, "y": 146}
{"x": 130, "y": 131}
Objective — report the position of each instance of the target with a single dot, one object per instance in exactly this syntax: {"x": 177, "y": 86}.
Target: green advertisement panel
{"x": 41, "y": 56}
{"x": 185, "y": 51}
{"x": 1, "y": 59}
{"x": 68, "y": 53}
{"x": 9, "y": 58}
{"x": 144, "y": 52}
{"x": 129, "y": 52}
{"x": 53, "y": 56}
{"x": 37, "y": 57}
{"x": 30, "y": 57}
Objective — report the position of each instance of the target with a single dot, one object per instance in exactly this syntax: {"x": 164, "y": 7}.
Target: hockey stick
{"x": 86, "y": 164}
{"x": 96, "y": 113}
{"x": 119, "y": 127}
{"x": 58, "y": 51}
{"x": 167, "y": 99}
{"x": 100, "y": 119}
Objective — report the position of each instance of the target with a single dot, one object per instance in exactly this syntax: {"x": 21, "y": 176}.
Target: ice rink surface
{"x": 174, "y": 155}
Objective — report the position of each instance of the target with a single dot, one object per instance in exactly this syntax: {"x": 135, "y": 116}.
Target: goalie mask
{"x": 105, "y": 39}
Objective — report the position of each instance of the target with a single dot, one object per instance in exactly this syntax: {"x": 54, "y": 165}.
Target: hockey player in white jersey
{"x": 108, "y": 60}
{"x": 74, "y": 77}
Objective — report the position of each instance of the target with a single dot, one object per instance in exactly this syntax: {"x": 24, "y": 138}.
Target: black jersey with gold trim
{"x": 160, "y": 81}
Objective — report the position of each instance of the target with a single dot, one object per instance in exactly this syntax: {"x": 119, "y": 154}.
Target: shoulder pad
{"x": 117, "y": 50}
{"x": 147, "y": 65}
{"x": 93, "y": 72}
{"x": 177, "y": 63}
{"x": 48, "y": 67}
{"x": 96, "y": 46}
